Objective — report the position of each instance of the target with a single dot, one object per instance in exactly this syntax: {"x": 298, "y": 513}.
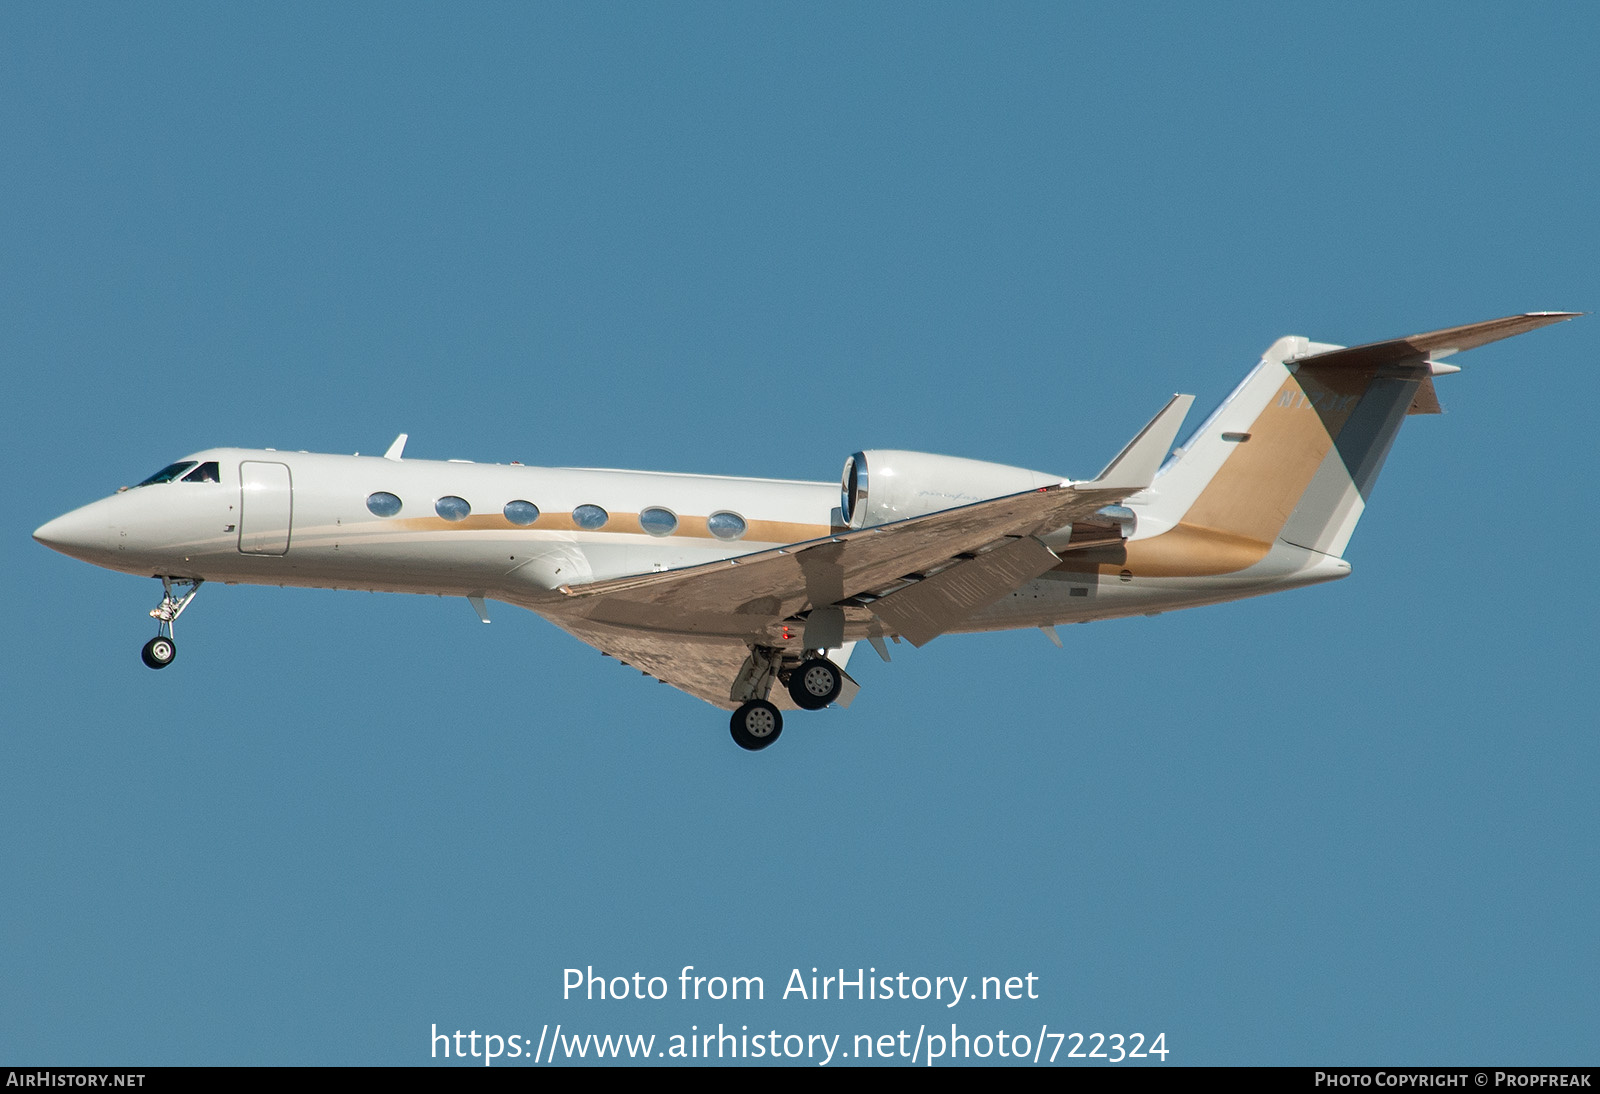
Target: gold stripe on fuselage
{"x": 758, "y": 531}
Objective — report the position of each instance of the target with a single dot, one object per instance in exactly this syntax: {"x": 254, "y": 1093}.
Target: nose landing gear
{"x": 160, "y": 650}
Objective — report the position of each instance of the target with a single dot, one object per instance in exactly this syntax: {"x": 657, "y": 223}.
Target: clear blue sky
{"x": 1349, "y": 824}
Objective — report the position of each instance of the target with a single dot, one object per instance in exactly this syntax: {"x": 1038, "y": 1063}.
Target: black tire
{"x": 159, "y": 652}
{"x": 815, "y": 684}
{"x": 756, "y": 725}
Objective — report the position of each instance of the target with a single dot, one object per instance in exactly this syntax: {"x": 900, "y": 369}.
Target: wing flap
{"x": 925, "y": 610}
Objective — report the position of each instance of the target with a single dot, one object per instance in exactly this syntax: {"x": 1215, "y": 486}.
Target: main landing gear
{"x": 756, "y": 725}
{"x": 813, "y": 684}
{"x": 160, "y": 650}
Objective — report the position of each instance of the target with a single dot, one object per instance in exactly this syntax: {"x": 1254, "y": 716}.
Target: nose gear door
{"x": 266, "y": 502}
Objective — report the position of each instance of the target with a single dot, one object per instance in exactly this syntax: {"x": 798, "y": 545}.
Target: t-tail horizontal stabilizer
{"x": 1135, "y": 467}
{"x": 1433, "y": 344}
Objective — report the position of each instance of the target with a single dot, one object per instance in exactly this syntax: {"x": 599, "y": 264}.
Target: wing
{"x": 702, "y": 665}
{"x": 692, "y": 627}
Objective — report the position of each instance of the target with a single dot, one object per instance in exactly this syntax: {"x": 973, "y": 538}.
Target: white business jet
{"x": 726, "y": 587}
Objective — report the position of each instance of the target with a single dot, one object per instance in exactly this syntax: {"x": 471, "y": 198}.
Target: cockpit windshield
{"x": 187, "y": 470}
{"x": 167, "y": 473}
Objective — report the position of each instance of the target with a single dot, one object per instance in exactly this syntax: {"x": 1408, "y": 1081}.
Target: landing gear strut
{"x": 160, "y": 650}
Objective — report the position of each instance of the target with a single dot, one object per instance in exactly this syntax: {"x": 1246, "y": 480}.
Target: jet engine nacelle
{"x": 884, "y": 485}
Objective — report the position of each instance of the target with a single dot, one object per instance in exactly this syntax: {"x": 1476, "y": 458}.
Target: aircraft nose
{"x": 82, "y": 534}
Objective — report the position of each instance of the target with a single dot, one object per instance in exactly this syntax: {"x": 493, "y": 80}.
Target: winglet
{"x": 1136, "y": 465}
{"x": 395, "y": 449}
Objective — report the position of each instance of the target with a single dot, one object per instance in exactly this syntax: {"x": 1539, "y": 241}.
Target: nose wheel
{"x": 160, "y": 650}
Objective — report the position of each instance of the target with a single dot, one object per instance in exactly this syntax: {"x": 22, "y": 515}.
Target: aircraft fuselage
{"x": 303, "y": 519}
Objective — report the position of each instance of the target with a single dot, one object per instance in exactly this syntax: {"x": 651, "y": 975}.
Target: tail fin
{"x": 1294, "y": 452}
